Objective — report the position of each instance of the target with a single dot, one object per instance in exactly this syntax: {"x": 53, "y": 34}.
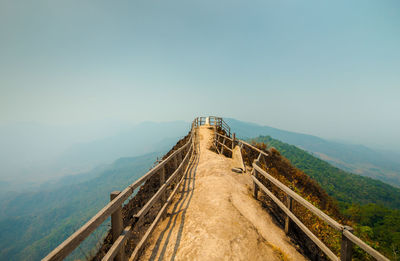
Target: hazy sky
{"x": 328, "y": 68}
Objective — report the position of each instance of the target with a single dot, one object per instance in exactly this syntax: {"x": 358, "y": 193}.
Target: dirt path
{"x": 216, "y": 218}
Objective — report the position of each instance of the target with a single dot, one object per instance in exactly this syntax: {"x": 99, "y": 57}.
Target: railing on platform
{"x": 213, "y": 121}
{"x": 348, "y": 238}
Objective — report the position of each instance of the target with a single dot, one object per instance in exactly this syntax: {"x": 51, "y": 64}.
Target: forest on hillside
{"x": 34, "y": 223}
{"x": 372, "y": 206}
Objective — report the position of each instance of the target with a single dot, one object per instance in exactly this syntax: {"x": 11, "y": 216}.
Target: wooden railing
{"x": 121, "y": 234}
{"x": 213, "y": 121}
{"x": 180, "y": 159}
{"x": 348, "y": 238}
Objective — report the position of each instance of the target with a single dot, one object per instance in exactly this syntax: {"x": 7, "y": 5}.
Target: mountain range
{"x": 357, "y": 159}
{"x": 33, "y": 221}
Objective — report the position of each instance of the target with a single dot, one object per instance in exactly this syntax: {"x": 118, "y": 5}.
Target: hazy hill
{"x": 34, "y": 154}
{"x": 358, "y": 159}
{"x": 33, "y": 223}
{"x": 144, "y": 138}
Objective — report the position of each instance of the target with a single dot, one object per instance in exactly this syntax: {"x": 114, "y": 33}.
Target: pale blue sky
{"x": 328, "y": 68}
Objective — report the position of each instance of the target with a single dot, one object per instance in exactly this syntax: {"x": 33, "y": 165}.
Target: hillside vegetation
{"x": 371, "y": 205}
{"x": 381, "y": 165}
{"x": 34, "y": 223}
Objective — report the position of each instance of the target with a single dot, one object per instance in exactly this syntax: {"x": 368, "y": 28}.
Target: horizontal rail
{"x": 347, "y": 235}
{"x": 226, "y": 147}
{"x": 299, "y": 199}
{"x": 120, "y": 241}
{"x": 253, "y": 147}
{"x": 72, "y": 242}
{"x": 378, "y": 256}
{"x": 313, "y": 237}
{"x": 224, "y": 136}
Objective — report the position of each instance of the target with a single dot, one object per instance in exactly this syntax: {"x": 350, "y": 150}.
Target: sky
{"x": 326, "y": 68}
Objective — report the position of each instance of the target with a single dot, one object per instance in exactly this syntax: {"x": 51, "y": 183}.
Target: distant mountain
{"x": 144, "y": 138}
{"x": 18, "y": 172}
{"x": 33, "y": 223}
{"x": 357, "y": 159}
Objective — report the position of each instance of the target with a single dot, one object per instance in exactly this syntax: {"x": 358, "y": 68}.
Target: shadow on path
{"x": 180, "y": 208}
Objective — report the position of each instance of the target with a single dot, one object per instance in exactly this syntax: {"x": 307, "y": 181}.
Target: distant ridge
{"x": 357, "y": 159}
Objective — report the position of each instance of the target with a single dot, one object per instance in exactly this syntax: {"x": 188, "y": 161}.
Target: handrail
{"x": 346, "y": 233}
{"x": 72, "y": 242}
{"x": 378, "y": 256}
{"x": 252, "y": 147}
{"x": 299, "y": 199}
{"x": 66, "y": 247}
{"x": 314, "y": 238}
{"x": 224, "y": 136}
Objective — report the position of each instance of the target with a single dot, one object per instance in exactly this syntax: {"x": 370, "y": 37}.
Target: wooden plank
{"x": 314, "y": 238}
{"x": 299, "y": 199}
{"x": 223, "y": 145}
{"x": 378, "y": 256}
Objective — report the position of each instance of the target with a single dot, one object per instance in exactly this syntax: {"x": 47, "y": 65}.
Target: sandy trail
{"x": 215, "y": 217}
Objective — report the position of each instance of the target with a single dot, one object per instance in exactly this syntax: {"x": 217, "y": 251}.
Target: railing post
{"x": 216, "y": 141}
{"x": 162, "y": 182}
{"x": 117, "y": 227}
{"x": 175, "y": 162}
{"x": 346, "y": 250}
{"x": 289, "y": 205}
{"x": 222, "y": 147}
{"x": 181, "y": 157}
{"x": 233, "y": 141}
{"x": 255, "y": 186}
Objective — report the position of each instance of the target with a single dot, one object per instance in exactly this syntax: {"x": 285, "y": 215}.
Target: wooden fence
{"x": 213, "y": 121}
{"x": 180, "y": 159}
{"x": 348, "y": 238}
{"x": 120, "y": 234}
